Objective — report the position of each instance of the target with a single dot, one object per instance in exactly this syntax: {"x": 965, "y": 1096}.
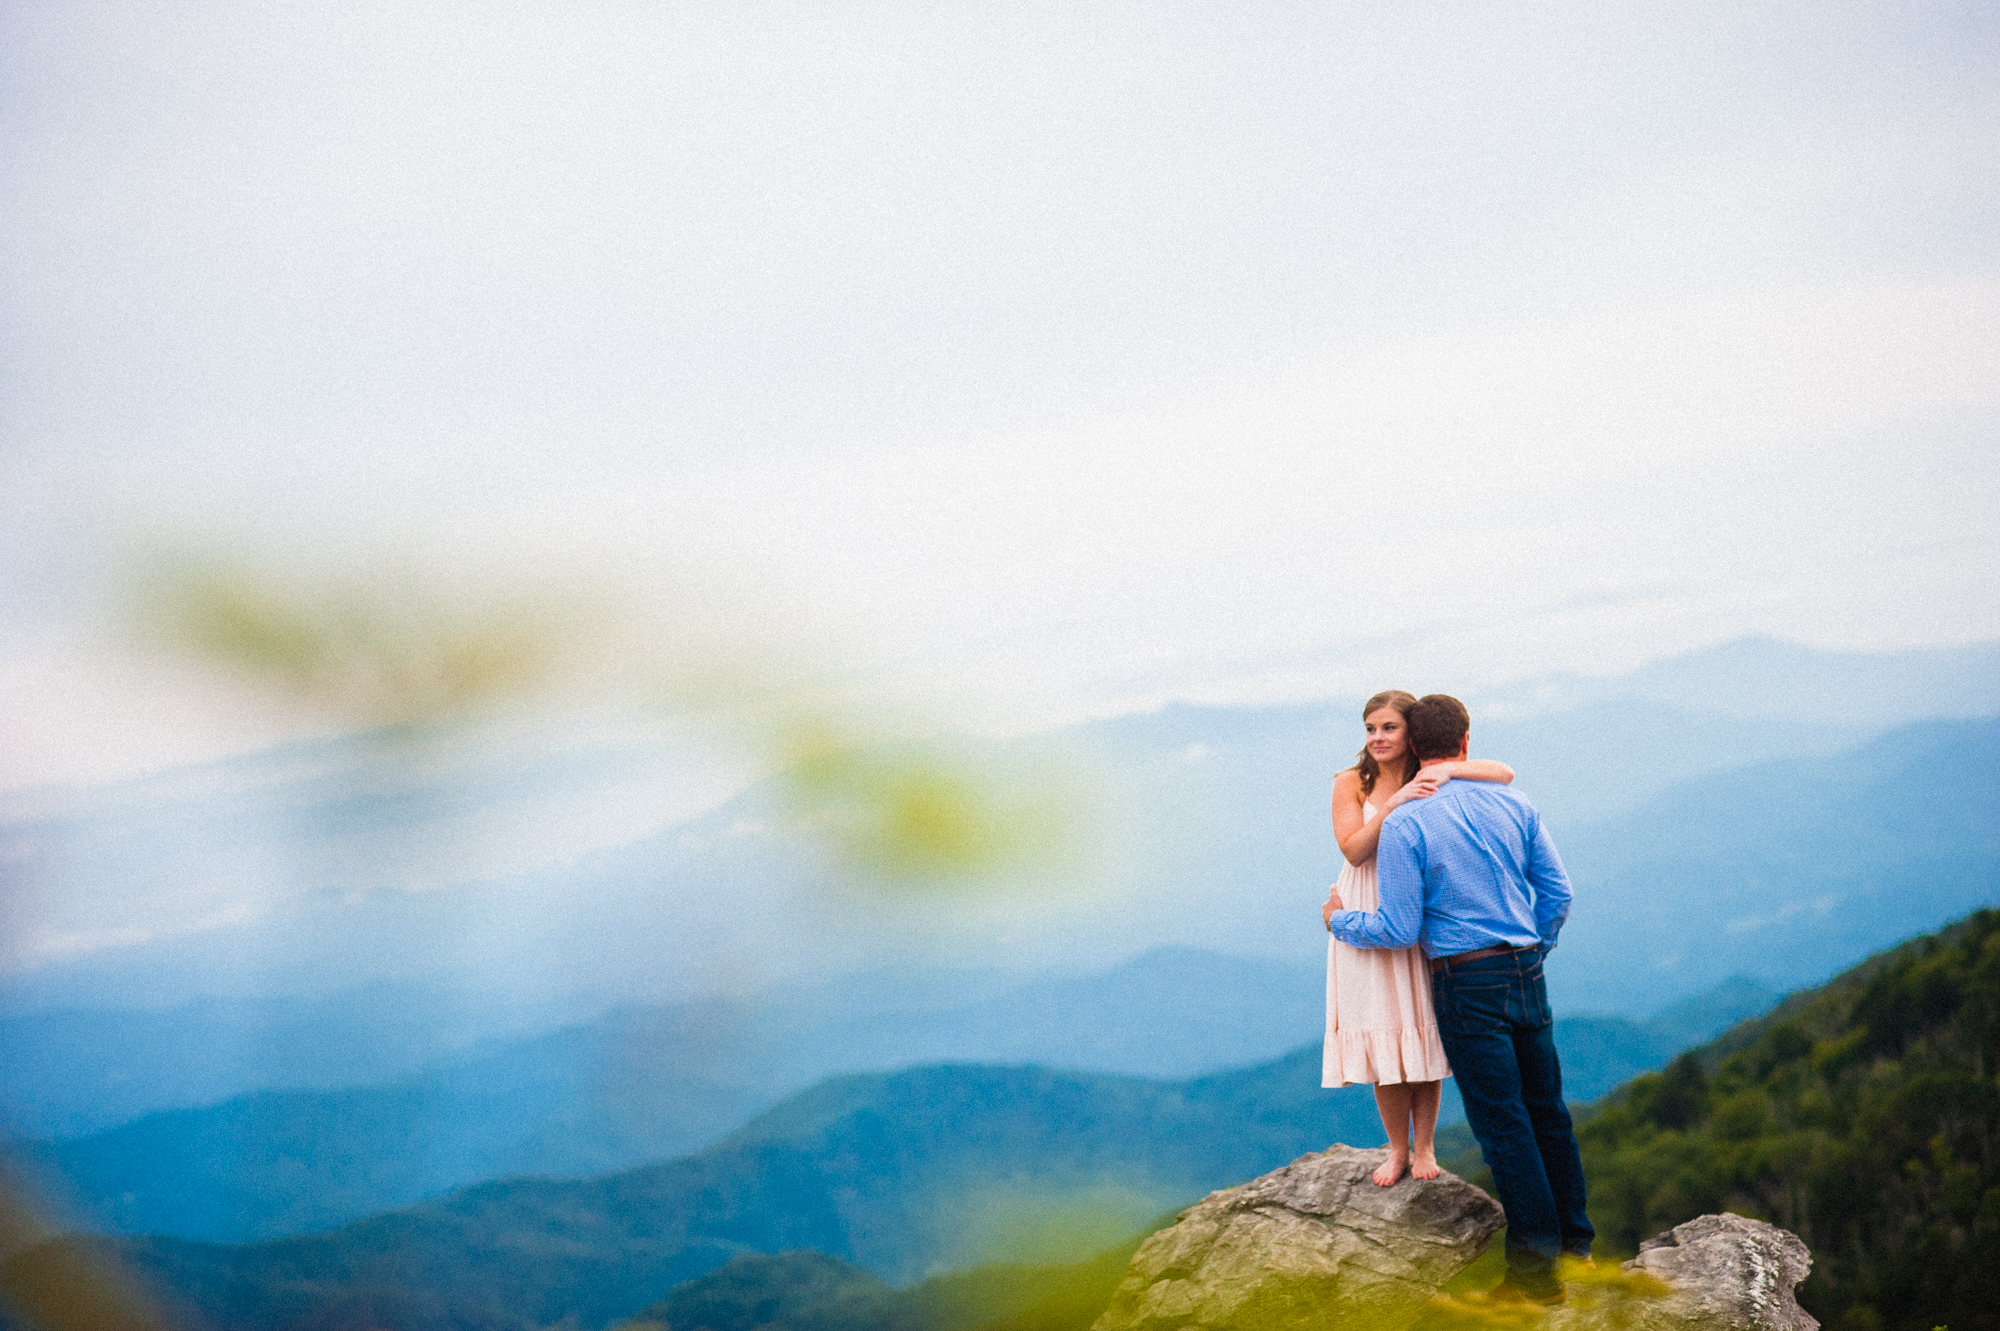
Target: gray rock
{"x": 1722, "y": 1272}
{"x": 1308, "y": 1240}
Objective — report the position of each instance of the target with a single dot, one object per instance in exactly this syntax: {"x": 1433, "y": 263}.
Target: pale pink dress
{"x": 1380, "y": 1026}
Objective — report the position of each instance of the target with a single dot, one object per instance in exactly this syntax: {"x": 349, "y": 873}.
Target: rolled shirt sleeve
{"x": 1545, "y": 874}
{"x": 1399, "y": 880}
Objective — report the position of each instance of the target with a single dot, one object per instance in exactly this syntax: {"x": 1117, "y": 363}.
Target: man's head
{"x": 1438, "y": 725}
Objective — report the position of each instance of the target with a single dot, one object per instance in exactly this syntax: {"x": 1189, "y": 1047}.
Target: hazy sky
{"x": 1047, "y": 360}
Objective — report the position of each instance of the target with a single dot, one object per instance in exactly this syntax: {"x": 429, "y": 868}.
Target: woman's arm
{"x": 1359, "y": 834}
{"x": 1425, "y": 783}
{"x": 1476, "y": 769}
{"x": 1356, "y": 832}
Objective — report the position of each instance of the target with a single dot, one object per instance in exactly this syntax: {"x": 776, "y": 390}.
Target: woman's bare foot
{"x": 1391, "y": 1169}
{"x": 1424, "y": 1165}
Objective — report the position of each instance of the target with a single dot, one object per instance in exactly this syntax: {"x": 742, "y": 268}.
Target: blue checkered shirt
{"x": 1468, "y": 868}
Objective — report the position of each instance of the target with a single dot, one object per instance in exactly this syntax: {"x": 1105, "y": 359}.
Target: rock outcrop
{"x": 1722, "y": 1273}
{"x": 1316, "y": 1244}
{"x": 1285, "y": 1249}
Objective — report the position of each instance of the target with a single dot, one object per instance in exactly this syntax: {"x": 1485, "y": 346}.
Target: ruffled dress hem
{"x": 1411, "y": 1053}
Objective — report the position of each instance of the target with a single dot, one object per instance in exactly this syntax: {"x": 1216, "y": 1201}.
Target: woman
{"x": 1380, "y": 1026}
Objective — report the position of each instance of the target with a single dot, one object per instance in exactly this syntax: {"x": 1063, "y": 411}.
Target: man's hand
{"x": 1332, "y": 905}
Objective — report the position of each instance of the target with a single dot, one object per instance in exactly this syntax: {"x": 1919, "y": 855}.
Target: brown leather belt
{"x": 1460, "y": 958}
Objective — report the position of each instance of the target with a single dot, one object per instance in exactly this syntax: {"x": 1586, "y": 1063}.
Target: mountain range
{"x": 1707, "y": 882}
{"x": 255, "y": 1118}
{"x": 905, "y": 1173}
{"x": 542, "y": 878}
{"x": 943, "y": 1168}
{"x": 1786, "y": 870}
{"x": 646, "y": 1084}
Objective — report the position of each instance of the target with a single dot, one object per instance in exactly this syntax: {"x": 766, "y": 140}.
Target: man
{"x": 1471, "y": 874}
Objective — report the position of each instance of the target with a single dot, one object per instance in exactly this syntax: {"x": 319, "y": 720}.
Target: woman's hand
{"x": 1421, "y": 786}
{"x": 1332, "y": 905}
{"x": 1425, "y": 783}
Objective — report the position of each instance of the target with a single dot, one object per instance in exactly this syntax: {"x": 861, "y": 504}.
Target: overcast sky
{"x": 1046, "y": 360}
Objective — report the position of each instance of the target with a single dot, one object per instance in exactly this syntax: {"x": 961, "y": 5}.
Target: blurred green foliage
{"x": 52, "y": 1284}
{"x": 1026, "y": 1220}
{"x": 385, "y": 648}
{"x": 398, "y": 647}
{"x": 66, "y": 1286}
{"x": 807, "y": 1291}
{"x": 1863, "y": 1116}
{"x": 910, "y": 814}
{"x": 1604, "y": 1295}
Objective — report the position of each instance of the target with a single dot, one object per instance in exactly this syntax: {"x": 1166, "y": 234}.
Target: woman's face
{"x": 1386, "y": 741}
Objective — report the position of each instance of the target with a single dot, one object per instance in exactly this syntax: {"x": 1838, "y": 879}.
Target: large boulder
{"x": 1316, "y": 1244}
{"x": 1286, "y": 1249}
{"x": 1721, "y": 1272}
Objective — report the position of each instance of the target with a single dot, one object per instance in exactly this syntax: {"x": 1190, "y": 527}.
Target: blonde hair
{"x": 1365, "y": 763}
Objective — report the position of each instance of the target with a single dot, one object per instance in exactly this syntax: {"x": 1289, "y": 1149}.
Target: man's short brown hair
{"x": 1438, "y": 725}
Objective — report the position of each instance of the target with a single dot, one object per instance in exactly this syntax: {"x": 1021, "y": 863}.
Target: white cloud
{"x": 50, "y": 946}
{"x": 1049, "y": 360}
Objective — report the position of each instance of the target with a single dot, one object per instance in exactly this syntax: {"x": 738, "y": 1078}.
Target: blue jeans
{"x": 1493, "y": 1015}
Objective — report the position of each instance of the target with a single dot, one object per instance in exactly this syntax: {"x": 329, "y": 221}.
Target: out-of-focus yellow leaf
{"x": 383, "y": 649}
{"x": 920, "y": 814}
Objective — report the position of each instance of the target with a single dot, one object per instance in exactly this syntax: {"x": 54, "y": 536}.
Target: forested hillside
{"x": 1864, "y": 1116}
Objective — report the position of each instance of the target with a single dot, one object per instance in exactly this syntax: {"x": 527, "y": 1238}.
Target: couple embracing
{"x": 1451, "y": 898}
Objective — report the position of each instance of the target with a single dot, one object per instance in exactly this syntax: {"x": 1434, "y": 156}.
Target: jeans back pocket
{"x": 1474, "y": 1003}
